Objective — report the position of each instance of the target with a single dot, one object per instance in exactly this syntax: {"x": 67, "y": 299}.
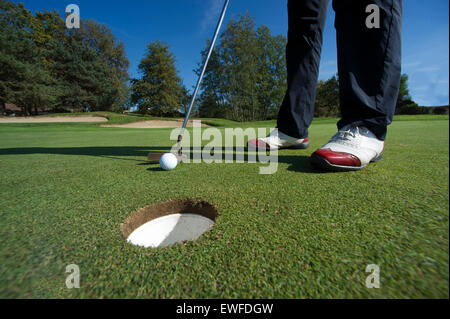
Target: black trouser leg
{"x": 306, "y": 24}
{"x": 369, "y": 63}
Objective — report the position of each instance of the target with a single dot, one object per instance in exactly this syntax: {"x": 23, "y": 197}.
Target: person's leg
{"x": 369, "y": 80}
{"x": 306, "y": 21}
{"x": 369, "y": 63}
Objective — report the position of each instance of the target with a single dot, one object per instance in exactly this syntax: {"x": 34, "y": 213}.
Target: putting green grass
{"x": 65, "y": 189}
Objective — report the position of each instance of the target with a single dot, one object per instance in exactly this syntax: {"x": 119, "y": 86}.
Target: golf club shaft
{"x": 211, "y": 48}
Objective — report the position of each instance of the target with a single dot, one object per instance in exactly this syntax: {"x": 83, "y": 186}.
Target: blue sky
{"x": 186, "y": 24}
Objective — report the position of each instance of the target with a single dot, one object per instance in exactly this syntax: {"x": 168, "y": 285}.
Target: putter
{"x": 156, "y": 156}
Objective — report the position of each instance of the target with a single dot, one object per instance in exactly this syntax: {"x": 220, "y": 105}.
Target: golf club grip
{"x": 211, "y": 48}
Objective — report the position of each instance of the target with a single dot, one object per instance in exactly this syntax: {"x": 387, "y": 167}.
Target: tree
{"x": 159, "y": 91}
{"x": 112, "y": 57}
{"x": 24, "y": 80}
{"x": 403, "y": 94}
{"x": 271, "y": 74}
{"x": 405, "y": 104}
{"x": 212, "y": 101}
{"x": 327, "y": 98}
{"x": 84, "y": 82}
{"x": 246, "y": 76}
{"x": 43, "y": 65}
{"x": 48, "y": 31}
{"x": 185, "y": 99}
{"x": 239, "y": 55}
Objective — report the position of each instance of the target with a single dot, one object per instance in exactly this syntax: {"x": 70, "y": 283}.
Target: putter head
{"x": 155, "y": 156}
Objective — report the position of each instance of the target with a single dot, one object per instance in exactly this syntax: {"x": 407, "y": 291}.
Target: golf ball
{"x": 168, "y": 161}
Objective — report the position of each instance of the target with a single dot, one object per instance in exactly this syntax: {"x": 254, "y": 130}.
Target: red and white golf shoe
{"x": 277, "y": 140}
{"x": 351, "y": 149}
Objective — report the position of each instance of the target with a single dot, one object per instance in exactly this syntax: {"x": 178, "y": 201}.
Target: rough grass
{"x": 66, "y": 188}
{"x": 114, "y": 118}
{"x": 117, "y": 118}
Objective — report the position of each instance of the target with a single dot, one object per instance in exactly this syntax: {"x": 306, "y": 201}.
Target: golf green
{"x": 65, "y": 190}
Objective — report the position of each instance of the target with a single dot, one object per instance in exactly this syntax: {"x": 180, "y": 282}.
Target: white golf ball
{"x": 168, "y": 161}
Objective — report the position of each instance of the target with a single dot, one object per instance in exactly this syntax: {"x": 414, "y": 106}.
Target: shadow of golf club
{"x": 298, "y": 163}
{"x": 114, "y": 152}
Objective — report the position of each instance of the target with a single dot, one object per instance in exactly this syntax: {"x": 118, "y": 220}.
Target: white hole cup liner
{"x": 168, "y": 230}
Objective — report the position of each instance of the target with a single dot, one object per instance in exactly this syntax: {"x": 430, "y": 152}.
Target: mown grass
{"x": 66, "y": 188}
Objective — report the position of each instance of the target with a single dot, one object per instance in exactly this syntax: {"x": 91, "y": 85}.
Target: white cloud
{"x": 211, "y": 14}
{"x": 327, "y": 69}
{"x": 427, "y": 65}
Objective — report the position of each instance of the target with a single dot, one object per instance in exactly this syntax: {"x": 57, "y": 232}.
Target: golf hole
{"x": 167, "y": 223}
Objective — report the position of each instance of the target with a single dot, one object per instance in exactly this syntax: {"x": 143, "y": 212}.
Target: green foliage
{"x": 440, "y": 110}
{"x": 403, "y": 94}
{"x": 246, "y": 77}
{"x": 45, "y": 66}
{"x": 327, "y": 98}
{"x": 185, "y": 99}
{"x": 159, "y": 91}
{"x": 405, "y": 104}
{"x": 21, "y": 74}
{"x": 85, "y": 82}
{"x": 112, "y": 57}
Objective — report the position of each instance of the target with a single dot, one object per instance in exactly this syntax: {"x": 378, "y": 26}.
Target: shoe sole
{"x": 322, "y": 163}
{"x": 301, "y": 146}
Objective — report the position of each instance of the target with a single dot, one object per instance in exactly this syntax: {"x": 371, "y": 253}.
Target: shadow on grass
{"x": 155, "y": 169}
{"x": 298, "y": 163}
{"x": 115, "y": 152}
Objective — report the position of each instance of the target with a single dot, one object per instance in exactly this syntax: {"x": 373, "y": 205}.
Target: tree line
{"x": 327, "y": 100}
{"x": 44, "y": 65}
{"x": 245, "y": 79}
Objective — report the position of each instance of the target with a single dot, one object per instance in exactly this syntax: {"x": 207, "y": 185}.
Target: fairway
{"x": 66, "y": 188}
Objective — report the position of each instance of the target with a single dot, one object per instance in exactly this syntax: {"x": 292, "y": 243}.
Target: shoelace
{"x": 273, "y": 137}
{"x": 346, "y": 134}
